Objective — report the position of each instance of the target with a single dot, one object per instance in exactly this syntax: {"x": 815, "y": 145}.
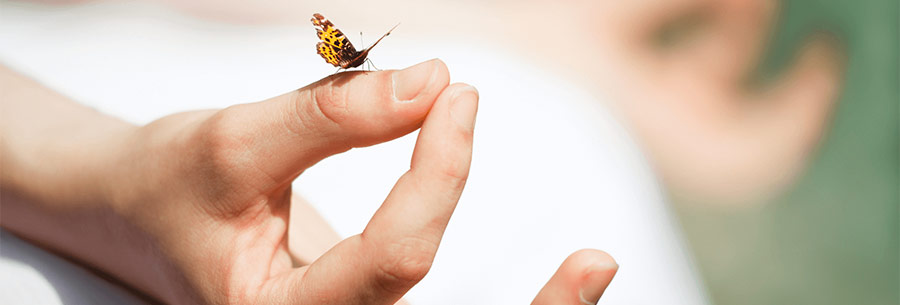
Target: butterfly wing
{"x": 333, "y": 45}
{"x": 328, "y": 53}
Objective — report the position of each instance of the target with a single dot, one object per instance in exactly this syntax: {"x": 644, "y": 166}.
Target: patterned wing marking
{"x": 328, "y": 53}
{"x": 330, "y": 35}
{"x": 335, "y": 48}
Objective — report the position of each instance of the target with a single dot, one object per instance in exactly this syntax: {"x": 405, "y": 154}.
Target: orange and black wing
{"x": 333, "y": 45}
{"x": 328, "y": 53}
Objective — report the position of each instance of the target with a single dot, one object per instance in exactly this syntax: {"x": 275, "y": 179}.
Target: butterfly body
{"x": 336, "y": 48}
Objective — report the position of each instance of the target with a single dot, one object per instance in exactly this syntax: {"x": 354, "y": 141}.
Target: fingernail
{"x": 595, "y": 281}
{"x": 410, "y": 81}
{"x": 463, "y": 107}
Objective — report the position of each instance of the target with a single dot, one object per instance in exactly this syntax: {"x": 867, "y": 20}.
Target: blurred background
{"x": 812, "y": 218}
{"x": 831, "y": 238}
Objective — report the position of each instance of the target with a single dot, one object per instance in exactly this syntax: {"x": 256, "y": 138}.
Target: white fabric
{"x": 552, "y": 173}
{"x": 31, "y": 275}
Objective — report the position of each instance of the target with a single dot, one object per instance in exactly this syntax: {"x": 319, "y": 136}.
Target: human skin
{"x": 195, "y": 207}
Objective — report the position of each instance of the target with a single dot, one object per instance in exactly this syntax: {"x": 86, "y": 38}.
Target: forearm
{"x": 56, "y": 163}
{"x": 53, "y": 149}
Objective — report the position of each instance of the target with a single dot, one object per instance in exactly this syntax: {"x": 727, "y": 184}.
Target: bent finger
{"x": 406, "y": 230}
{"x": 282, "y": 136}
{"x": 397, "y": 247}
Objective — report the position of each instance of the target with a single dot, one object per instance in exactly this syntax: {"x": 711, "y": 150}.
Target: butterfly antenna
{"x": 382, "y": 37}
{"x": 361, "y": 42}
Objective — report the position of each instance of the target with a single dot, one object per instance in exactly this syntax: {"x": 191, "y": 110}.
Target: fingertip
{"x": 464, "y": 106}
{"x": 592, "y": 257}
{"x": 590, "y": 263}
{"x": 412, "y": 93}
{"x": 581, "y": 279}
{"x": 593, "y": 271}
{"x": 420, "y": 81}
{"x": 447, "y": 131}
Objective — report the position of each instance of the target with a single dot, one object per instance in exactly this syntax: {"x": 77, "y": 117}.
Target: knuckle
{"x": 221, "y": 143}
{"x": 330, "y": 102}
{"x": 454, "y": 176}
{"x": 219, "y": 154}
{"x": 406, "y": 262}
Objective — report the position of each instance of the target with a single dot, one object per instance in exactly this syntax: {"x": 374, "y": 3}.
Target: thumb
{"x": 284, "y": 135}
{"x": 581, "y": 279}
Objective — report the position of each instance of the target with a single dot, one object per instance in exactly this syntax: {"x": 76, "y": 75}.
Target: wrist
{"x": 67, "y": 171}
{"x": 81, "y": 212}
{"x": 70, "y": 179}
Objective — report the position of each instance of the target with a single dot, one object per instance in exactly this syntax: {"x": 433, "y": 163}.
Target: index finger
{"x": 397, "y": 247}
{"x": 407, "y": 229}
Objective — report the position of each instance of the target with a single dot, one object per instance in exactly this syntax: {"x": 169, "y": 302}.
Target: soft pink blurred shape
{"x": 712, "y": 137}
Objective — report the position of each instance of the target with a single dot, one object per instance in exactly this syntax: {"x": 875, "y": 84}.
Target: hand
{"x": 194, "y": 207}
{"x": 220, "y": 200}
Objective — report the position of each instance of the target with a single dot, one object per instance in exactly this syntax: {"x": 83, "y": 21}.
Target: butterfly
{"x": 335, "y": 48}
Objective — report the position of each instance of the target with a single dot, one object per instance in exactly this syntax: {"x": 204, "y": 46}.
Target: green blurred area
{"x": 833, "y": 238}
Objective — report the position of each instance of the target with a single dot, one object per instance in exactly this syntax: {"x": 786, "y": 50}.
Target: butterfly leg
{"x": 338, "y": 70}
{"x": 372, "y": 64}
